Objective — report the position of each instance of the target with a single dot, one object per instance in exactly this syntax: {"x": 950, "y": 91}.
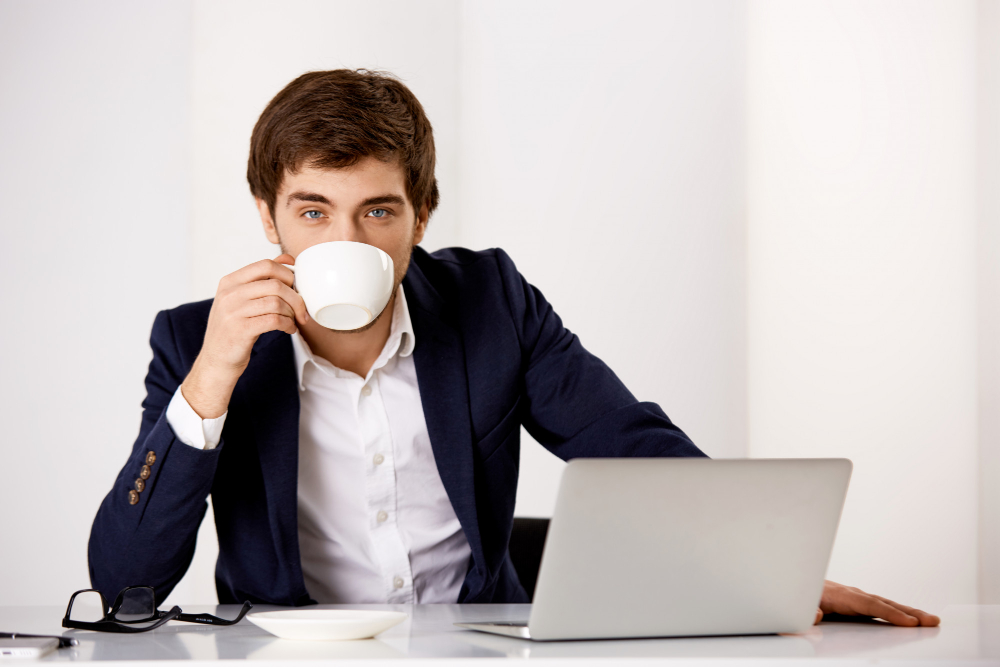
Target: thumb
{"x": 819, "y": 616}
{"x": 285, "y": 258}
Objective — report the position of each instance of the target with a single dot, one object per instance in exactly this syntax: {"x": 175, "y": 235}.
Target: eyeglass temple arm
{"x": 209, "y": 619}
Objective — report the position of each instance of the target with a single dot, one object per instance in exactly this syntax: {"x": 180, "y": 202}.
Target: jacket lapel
{"x": 439, "y": 358}
{"x": 273, "y": 401}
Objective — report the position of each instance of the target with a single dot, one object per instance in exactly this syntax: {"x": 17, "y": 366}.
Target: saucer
{"x": 326, "y": 624}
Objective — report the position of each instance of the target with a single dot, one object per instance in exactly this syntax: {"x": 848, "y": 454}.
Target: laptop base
{"x": 515, "y": 629}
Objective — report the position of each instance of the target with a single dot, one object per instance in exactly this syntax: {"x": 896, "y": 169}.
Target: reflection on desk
{"x": 968, "y": 634}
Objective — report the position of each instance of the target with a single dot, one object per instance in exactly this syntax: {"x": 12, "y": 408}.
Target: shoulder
{"x": 477, "y": 290}
{"x": 182, "y": 327}
{"x": 457, "y": 260}
{"x": 187, "y": 315}
{"x": 454, "y": 272}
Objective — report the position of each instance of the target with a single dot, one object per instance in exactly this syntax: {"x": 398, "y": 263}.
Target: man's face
{"x": 366, "y": 203}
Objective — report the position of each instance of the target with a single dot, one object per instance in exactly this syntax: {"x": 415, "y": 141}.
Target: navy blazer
{"x": 490, "y": 355}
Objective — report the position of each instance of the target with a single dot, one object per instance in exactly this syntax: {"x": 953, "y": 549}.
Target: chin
{"x": 388, "y": 309}
{"x": 365, "y": 327}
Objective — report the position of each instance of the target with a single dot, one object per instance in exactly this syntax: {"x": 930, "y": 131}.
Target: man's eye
{"x": 379, "y": 213}
{"x": 312, "y": 215}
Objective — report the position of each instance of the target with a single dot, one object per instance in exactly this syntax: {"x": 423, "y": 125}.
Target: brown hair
{"x": 333, "y": 119}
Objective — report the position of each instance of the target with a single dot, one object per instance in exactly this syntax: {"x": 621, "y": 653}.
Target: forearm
{"x": 208, "y": 390}
{"x": 636, "y": 430}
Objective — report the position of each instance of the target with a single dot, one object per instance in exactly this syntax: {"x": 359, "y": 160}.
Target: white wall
{"x": 988, "y": 165}
{"x": 602, "y": 146}
{"x": 94, "y": 185}
{"x": 862, "y": 278}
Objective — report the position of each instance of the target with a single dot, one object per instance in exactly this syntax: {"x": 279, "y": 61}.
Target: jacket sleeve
{"x": 151, "y": 542}
{"x": 575, "y": 405}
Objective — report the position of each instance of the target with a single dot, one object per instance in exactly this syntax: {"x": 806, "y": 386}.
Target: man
{"x": 377, "y": 465}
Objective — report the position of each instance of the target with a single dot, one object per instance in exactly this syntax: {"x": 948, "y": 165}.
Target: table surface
{"x": 968, "y": 634}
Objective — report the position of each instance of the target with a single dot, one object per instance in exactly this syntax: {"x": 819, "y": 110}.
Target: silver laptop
{"x": 685, "y": 547}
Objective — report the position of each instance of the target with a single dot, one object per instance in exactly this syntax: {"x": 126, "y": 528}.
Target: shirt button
{"x": 397, "y": 582}
{"x": 140, "y": 484}
{"x": 381, "y": 517}
{"x": 133, "y": 497}
{"x": 144, "y": 472}
{"x": 367, "y": 391}
{"x": 378, "y": 459}
{"x": 150, "y": 458}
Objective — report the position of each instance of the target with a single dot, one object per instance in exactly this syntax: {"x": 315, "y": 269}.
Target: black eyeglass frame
{"x": 110, "y": 623}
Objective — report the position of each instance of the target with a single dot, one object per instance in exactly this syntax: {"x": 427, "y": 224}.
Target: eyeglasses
{"x": 89, "y": 610}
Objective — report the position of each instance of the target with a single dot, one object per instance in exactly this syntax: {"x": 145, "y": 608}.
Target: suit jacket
{"x": 490, "y": 355}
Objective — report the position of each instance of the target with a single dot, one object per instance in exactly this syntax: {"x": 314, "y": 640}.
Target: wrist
{"x": 208, "y": 390}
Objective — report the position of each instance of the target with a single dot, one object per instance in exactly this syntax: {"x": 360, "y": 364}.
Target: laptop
{"x": 681, "y": 547}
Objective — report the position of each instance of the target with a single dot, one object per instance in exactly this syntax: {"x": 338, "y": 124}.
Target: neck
{"x": 352, "y": 351}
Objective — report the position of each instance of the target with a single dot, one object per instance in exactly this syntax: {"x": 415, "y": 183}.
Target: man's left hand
{"x": 840, "y": 599}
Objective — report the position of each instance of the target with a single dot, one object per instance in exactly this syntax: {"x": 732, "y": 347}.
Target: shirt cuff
{"x": 190, "y": 428}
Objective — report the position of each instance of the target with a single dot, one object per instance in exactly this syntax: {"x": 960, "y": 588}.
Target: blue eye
{"x": 309, "y": 214}
{"x": 379, "y": 210}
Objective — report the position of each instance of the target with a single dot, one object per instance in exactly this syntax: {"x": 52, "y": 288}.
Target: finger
{"x": 872, "y": 606}
{"x": 262, "y": 270}
{"x": 819, "y": 616}
{"x": 265, "y": 305}
{"x": 271, "y": 322}
{"x": 273, "y": 287}
{"x": 924, "y": 617}
{"x": 281, "y": 260}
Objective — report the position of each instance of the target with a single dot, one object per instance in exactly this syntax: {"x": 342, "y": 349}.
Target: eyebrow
{"x": 299, "y": 195}
{"x": 320, "y": 199}
{"x": 383, "y": 199}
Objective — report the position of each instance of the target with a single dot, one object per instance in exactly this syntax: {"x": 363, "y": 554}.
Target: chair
{"x": 527, "y": 539}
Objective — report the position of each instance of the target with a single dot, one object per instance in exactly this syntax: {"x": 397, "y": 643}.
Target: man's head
{"x": 344, "y": 155}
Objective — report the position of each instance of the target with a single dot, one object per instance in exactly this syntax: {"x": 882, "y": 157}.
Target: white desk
{"x": 967, "y": 635}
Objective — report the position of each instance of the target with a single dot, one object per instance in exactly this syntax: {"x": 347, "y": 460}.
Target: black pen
{"x": 63, "y": 641}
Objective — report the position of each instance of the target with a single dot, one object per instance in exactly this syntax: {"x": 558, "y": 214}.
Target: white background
{"x": 778, "y": 220}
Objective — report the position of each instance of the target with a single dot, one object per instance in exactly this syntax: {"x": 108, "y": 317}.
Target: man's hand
{"x": 254, "y": 300}
{"x": 840, "y": 599}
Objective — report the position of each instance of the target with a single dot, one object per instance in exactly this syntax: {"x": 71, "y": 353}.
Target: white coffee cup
{"x": 345, "y": 284}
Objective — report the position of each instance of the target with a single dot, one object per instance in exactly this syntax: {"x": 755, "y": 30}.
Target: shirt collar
{"x": 401, "y": 340}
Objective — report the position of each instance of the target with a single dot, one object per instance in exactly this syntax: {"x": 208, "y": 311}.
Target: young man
{"x": 377, "y": 465}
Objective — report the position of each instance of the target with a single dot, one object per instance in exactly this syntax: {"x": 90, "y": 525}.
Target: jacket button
{"x": 140, "y": 484}
{"x": 133, "y": 497}
{"x": 150, "y": 458}
{"x": 145, "y": 472}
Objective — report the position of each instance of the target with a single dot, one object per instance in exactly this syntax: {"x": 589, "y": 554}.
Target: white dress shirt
{"x": 375, "y": 522}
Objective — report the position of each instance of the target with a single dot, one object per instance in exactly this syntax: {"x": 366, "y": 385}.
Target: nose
{"x": 344, "y": 228}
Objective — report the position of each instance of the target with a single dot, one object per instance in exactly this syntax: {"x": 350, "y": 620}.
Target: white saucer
{"x": 326, "y": 624}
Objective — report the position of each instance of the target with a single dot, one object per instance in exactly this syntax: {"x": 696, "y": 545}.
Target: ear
{"x": 421, "y": 224}
{"x": 270, "y": 229}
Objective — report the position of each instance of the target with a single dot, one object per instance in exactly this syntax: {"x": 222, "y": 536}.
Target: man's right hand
{"x": 254, "y": 300}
